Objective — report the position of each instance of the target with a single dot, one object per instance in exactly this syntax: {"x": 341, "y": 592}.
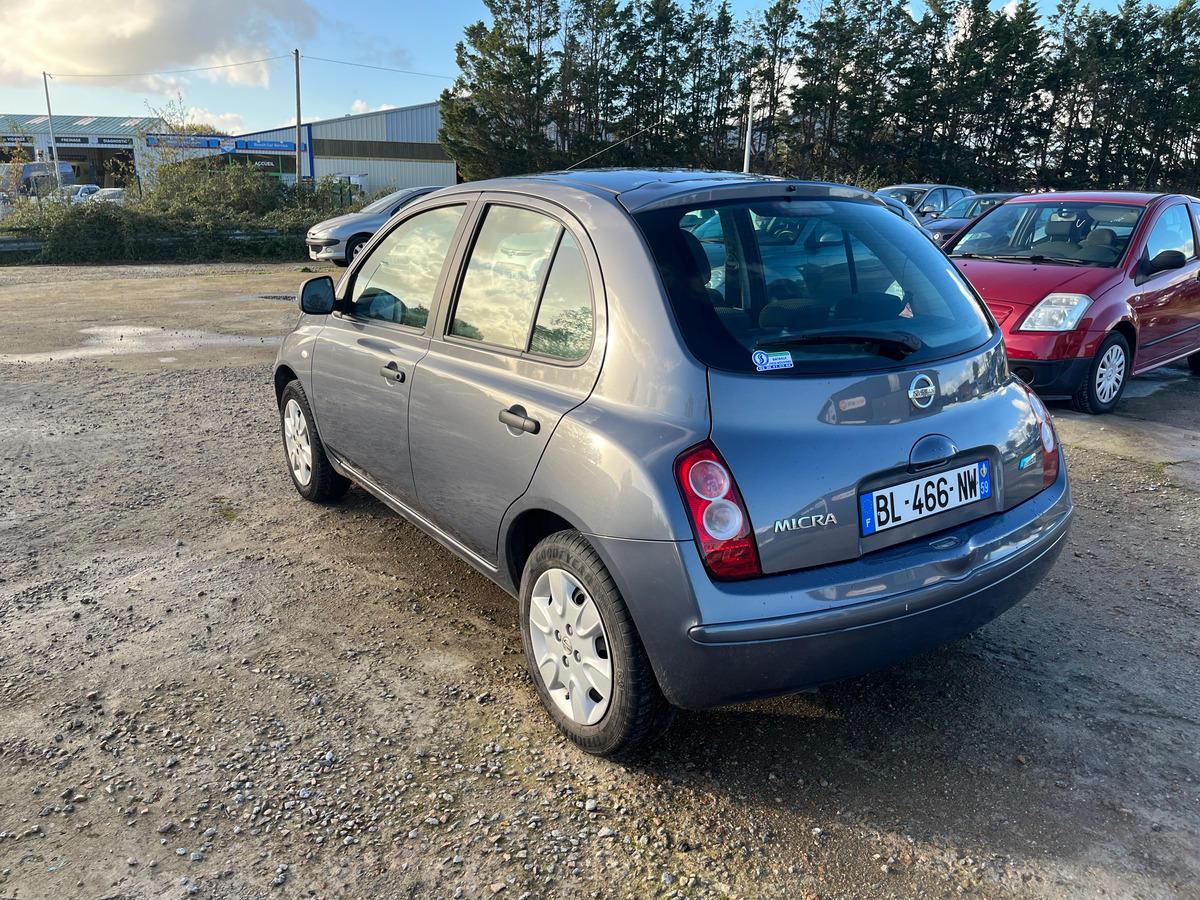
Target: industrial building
{"x": 103, "y": 150}
{"x": 376, "y": 150}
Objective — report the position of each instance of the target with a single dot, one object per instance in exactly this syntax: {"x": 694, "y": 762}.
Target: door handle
{"x": 392, "y": 373}
{"x": 515, "y": 417}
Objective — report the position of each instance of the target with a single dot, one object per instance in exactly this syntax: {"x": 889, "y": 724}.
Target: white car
{"x": 108, "y": 195}
{"x": 339, "y": 239}
{"x": 73, "y": 193}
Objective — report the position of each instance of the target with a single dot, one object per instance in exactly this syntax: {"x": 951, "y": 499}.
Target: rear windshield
{"x": 1070, "y": 233}
{"x": 810, "y": 286}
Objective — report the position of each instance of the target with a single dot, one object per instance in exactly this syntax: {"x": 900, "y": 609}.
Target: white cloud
{"x": 232, "y": 123}
{"x": 361, "y": 106}
{"x": 1010, "y": 8}
{"x": 135, "y": 36}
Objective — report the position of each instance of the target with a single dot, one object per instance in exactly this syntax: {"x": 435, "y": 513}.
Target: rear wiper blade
{"x": 892, "y": 344}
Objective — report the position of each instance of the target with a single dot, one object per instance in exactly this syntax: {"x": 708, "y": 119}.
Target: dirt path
{"x": 211, "y": 688}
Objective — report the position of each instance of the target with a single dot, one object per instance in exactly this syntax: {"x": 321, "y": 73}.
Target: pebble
{"x": 166, "y": 827}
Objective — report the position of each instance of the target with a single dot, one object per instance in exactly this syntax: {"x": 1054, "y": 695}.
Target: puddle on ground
{"x": 1145, "y": 385}
{"x": 118, "y": 340}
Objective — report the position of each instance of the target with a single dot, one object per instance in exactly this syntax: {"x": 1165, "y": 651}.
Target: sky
{"x": 125, "y": 59}
{"x": 144, "y": 41}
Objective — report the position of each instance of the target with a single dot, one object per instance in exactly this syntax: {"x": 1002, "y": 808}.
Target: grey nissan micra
{"x": 725, "y": 437}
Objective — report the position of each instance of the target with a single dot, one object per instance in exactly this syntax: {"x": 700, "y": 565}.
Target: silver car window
{"x": 832, "y": 285}
{"x": 396, "y": 283}
{"x": 504, "y": 277}
{"x": 563, "y": 327}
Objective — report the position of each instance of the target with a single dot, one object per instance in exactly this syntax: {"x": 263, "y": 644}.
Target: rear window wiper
{"x": 892, "y": 344}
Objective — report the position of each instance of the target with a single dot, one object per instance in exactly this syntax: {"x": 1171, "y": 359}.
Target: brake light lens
{"x": 719, "y": 517}
{"x": 1049, "y": 439}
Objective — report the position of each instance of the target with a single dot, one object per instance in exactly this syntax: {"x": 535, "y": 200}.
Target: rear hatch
{"x": 859, "y": 392}
{"x": 831, "y": 468}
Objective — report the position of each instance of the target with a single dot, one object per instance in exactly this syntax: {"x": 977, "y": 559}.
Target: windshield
{"x": 1065, "y": 232}
{"x": 906, "y": 195}
{"x": 970, "y": 207}
{"x": 383, "y": 204}
{"x": 810, "y": 286}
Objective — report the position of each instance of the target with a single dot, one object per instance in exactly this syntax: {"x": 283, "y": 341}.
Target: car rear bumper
{"x": 715, "y": 643}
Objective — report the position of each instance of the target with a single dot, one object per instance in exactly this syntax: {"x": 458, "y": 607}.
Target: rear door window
{"x": 526, "y": 287}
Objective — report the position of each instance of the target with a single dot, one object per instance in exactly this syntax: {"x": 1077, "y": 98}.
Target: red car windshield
{"x": 1068, "y": 233}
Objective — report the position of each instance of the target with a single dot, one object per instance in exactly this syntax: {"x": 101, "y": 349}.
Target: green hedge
{"x": 193, "y": 213}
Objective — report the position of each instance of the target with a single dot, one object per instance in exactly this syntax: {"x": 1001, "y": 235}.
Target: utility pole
{"x": 296, "y": 54}
{"x": 749, "y": 130}
{"x": 50, "y": 119}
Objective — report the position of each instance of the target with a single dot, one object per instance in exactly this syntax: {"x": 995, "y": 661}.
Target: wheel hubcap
{"x": 1110, "y": 374}
{"x": 570, "y": 647}
{"x": 297, "y": 442}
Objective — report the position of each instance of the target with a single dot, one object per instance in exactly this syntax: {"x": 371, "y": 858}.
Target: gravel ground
{"x": 211, "y": 688}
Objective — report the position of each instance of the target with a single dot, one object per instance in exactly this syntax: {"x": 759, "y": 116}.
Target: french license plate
{"x": 923, "y": 497}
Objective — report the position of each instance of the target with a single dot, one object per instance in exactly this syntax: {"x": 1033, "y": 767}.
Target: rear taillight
{"x": 1049, "y": 439}
{"x": 719, "y": 516}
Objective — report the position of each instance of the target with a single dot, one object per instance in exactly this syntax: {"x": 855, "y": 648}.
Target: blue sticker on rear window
{"x": 765, "y": 362}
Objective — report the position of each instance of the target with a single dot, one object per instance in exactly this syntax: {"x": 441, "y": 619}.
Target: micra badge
{"x": 801, "y": 522}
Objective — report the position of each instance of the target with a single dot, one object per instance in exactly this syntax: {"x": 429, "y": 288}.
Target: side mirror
{"x": 1167, "y": 259}
{"x": 929, "y": 210}
{"x": 316, "y": 296}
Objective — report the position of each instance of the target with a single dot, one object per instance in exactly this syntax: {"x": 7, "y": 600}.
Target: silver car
{"x": 702, "y": 487}
{"x": 339, "y": 239}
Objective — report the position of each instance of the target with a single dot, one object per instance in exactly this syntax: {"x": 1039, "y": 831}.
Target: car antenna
{"x": 617, "y": 144}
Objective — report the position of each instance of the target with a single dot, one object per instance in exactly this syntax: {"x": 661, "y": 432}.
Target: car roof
{"x": 1136, "y": 198}
{"x": 640, "y": 189}
{"x": 925, "y": 187}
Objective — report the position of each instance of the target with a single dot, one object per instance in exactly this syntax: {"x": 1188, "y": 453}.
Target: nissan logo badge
{"x": 921, "y": 392}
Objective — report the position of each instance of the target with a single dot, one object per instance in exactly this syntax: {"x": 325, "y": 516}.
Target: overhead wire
{"x": 342, "y": 62}
{"x": 248, "y": 62}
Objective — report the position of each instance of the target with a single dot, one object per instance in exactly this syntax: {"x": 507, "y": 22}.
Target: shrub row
{"x": 191, "y": 214}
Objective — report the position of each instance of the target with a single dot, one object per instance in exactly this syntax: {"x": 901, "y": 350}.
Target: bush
{"x": 198, "y": 210}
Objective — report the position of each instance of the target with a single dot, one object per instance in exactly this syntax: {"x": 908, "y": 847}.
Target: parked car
{"x": 341, "y": 238}
{"x": 902, "y": 211}
{"x": 944, "y": 225}
{"x": 926, "y": 199}
{"x": 698, "y": 496}
{"x": 7, "y": 206}
{"x": 1091, "y": 287}
{"x": 73, "y": 193}
{"x": 109, "y": 195}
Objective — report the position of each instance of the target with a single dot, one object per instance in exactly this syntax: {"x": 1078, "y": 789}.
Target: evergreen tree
{"x": 495, "y": 120}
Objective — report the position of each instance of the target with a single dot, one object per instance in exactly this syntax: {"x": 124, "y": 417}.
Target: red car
{"x": 1090, "y": 287}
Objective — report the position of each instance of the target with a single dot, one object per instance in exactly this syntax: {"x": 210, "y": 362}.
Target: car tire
{"x": 1106, "y": 377}
{"x": 313, "y": 476}
{"x": 1194, "y": 363}
{"x": 354, "y": 247}
{"x": 577, "y": 633}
